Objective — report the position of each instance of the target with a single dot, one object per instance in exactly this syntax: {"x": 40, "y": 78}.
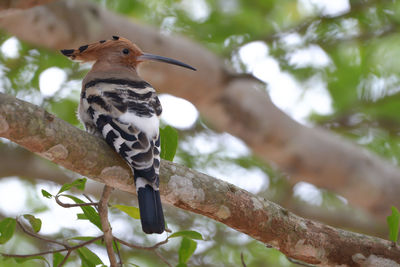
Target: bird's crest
{"x": 95, "y": 51}
{"x": 117, "y": 50}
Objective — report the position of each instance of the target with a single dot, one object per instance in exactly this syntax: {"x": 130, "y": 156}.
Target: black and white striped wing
{"x": 128, "y": 119}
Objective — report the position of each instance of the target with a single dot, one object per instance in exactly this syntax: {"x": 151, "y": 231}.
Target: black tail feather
{"x": 151, "y": 212}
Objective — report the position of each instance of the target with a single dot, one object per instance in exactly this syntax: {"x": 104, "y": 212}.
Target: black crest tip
{"x": 115, "y": 37}
{"x": 83, "y": 48}
{"x": 67, "y": 52}
{"x": 102, "y": 41}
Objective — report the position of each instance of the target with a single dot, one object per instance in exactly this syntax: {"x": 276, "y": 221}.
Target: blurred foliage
{"x": 87, "y": 256}
{"x": 362, "y": 44}
{"x": 394, "y": 222}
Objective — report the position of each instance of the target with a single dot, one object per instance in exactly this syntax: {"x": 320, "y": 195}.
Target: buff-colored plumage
{"x": 109, "y": 50}
{"x": 109, "y": 59}
{"x": 117, "y": 105}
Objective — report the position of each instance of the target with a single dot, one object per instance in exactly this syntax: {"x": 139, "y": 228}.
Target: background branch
{"x": 298, "y": 238}
{"x": 21, "y": 4}
{"x": 33, "y": 167}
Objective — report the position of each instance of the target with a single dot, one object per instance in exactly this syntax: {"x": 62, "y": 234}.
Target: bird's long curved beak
{"x": 168, "y": 60}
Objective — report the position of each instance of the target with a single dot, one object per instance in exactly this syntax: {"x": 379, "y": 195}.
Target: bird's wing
{"x": 128, "y": 119}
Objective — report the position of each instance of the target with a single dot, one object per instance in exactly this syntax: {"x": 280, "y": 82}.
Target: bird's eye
{"x": 125, "y": 51}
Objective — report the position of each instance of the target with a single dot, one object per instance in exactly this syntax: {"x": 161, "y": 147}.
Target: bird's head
{"x": 118, "y": 50}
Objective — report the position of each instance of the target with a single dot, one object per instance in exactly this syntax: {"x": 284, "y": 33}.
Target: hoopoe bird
{"x": 117, "y": 105}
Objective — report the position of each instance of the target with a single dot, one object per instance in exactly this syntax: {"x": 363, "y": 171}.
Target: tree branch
{"x": 162, "y": 258}
{"x": 67, "y": 205}
{"x": 66, "y": 246}
{"x": 298, "y": 238}
{"x": 236, "y": 105}
{"x": 45, "y": 239}
{"x": 141, "y": 247}
{"x": 105, "y": 224}
{"x": 21, "y": 4}
{"x": 109, "y": 239}
{"x": 35, "y": 167}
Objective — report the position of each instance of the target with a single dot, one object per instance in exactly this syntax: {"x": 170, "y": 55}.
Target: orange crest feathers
{"x": 95, "y": 51}
{"x": 120, "y": 51}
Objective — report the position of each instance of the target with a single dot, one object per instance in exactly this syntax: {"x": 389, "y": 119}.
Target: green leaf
{"x": 169, "y": 142}
{"x": 181, "y": 264}
{"x": 34, "y": 222}
{"x": 79, "y": 184}
{"x": 116, "y": 245}
{"x": 188, "y": 246}
{"x": 22, "y": 260}
{"x": 81, "y": 216}
{"x": 393, "y": 222}
{"x": 131, "y": 211}
{"x": 7, "y": 227}
{"x": 57, "y": 258}
{"x": 46, "y": 194}
{"x": 88, "y": 258}
{"x": 62, "y": 109}
{"x": 90, "y": 213}
{"x": 188, "y": 234}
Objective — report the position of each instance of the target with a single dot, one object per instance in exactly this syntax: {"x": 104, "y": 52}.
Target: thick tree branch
{"x": 236, "y": 105}
{"x": 298, "y": 238}
{"x": 21, "y": 4}
{"x": 35, "y": 167}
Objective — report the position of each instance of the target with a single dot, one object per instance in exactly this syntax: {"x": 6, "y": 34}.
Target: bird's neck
{"x": 107, "y": 70}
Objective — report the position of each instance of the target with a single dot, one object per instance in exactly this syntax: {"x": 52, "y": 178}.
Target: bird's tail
{"x": 151, "y": 212}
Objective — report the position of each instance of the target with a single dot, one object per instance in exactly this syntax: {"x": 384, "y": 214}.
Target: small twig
{"x": 105, "y": 224}
{"x": 66, "y": 246}
{"x": 242, "y": 259}
{"x": 118, "y": 253}
{"x": 88, "y": 198}
{"x": 26, "y": 231}
{"x": 53, "y": 251}
{"x": 91, "y": 201}
{"x": 141, "y": 247}
{"x": 300, "y": 262}
{"x": 65, "y": 259}
{"x": 108, "y": 237}
{"x": 161, "y": 257}
{"x": 67, "y": 205}
{"x": 33, "y": 254}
